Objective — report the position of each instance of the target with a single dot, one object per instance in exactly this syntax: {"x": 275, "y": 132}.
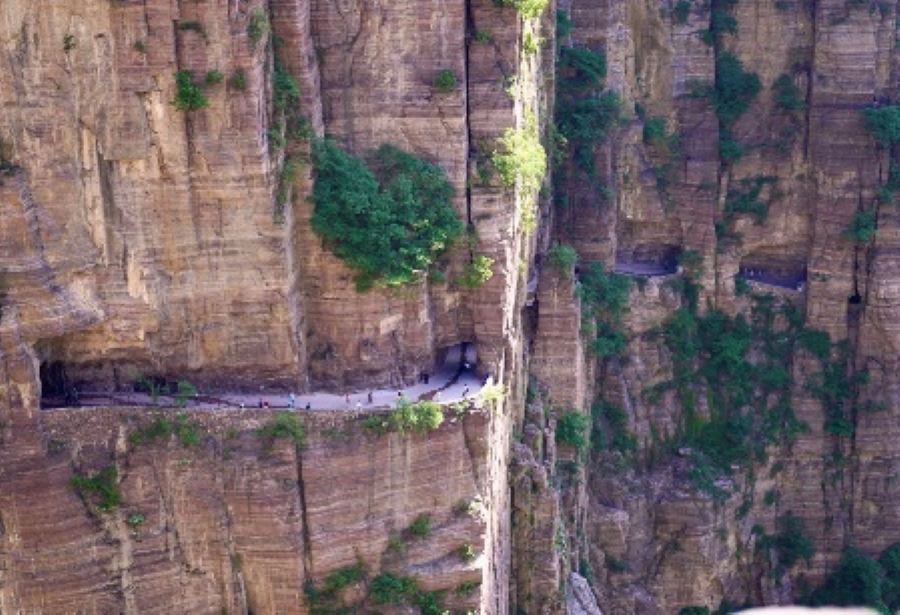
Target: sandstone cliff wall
{"x": 237, "y": 522}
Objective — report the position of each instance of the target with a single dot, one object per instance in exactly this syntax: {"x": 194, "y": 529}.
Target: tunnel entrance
{"x": 57, "y": 389}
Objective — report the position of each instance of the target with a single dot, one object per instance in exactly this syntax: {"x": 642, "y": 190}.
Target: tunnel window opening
{"x": 647, "y": 259}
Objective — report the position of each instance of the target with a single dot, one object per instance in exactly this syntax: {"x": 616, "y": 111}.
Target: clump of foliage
{"x": 883, "y": 123}
{"x": 69, "y": 43}
{"x": 788, "y": 96}
{"x": 479, "y": 271}
{"x": 520, "y": 157}
{"x": 792, "y": 542}
{"x": 186, "y": 431}
{"x": 258, "y": 28}
{"x": 101, "y": 489}
{"x": 863, "y": 227}
{"x": 238, "y": 80}
{"x": 213, "y": 77}
{"x": 408, "y": 416}
{"x": 745, "y": 197}
{"x": 445, "y": 81}
{"x": 327, "y": 599}
{"x": 681, "y": 12}
{"x": 420, "y": 527}
{"x": 285, "y": 91}
{"x": 528, "y": 9}
{"x": 589, "y": 119}
{"x": 484, "y": 36}
{"x": 392, "y": 589}
{"x": 563, "y": 258}
{"x": 389, "y": 222}
{"x": 582, "y": 68}
{"x": 572, "y": 428}
{"x": 610, "y": 431}
{"x": 193, "y": 26}
{"x": 604, "y": 298}
{"x": 735, "y": 88}
{"x": 743, "y": 369}
{"x": 467, "y": 553}
{"x": 188, "y": 96}
{"x": 284, "y": 425}
{"x": 418, "y": 416}
{"x": 857, "y": 581}
{"x": 186, "y": 390}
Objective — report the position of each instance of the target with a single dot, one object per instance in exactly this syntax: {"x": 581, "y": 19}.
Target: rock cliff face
{"x": 139, "y": 239}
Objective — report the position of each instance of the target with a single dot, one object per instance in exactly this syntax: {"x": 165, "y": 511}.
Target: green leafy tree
{"x": 883, "y": 123}
{"x": 389, "y": 222}
{"x": 188, "y": 97}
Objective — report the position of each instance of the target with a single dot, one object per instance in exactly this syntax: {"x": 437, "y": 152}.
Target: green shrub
{"x": 284, "y": 425}
{"x": 563, "y": 258}
{"x": 421, "y": 416}
{"x": 69, "y": 43}
{"x": 188, "y": 97}
{"x": 101, "y": 489}
{"x": 531, "y": 44}
{"x": 467, "y": 553}
{"x": 735, "y": 88}
{"x": 521, "y": 157}
{"x": 186, "y": 390}
{"x": 392, "y": 589}
{"x": 389, "y": 223}
{"x": 694, "y": 610}
{"x": 213, "y": 77}
{"x": 528, "y": 9}
{"x": 815, "y": 342}
{"x": 484, "y": 36}
{"x": 420, "y": 527}
{"x": 237, "y": 80}
{"x": 863, "y": 228}
{"x": 479, "y": 271}
{"x": 681, "y": 12}
{"x": 345, "y": 577}
{"x": 793, "y": 541}
{"x": 582, "y": 68}
{"x": 140, "y": 46}
{"x": 788, "y": 96}
{"x": 445, "y": 81}
{"x": 285, "y": 91}
{"x": 856, "y": 582}
{"x": 571, "y": 429}
{"x": 883, "y": 123}
{"x": 730, "y": 151}
{"x": 258, "y": 28}
{"x": 744, "y": 198}
{"x": 588, "y": 119}
{"x": 186, "y": 431}
{"x": 467, "y": 588}
{"x": 135, "y": 520}
{"x": 654, "y": 130}
{"x": 610, "y": 429}
{"x": 890, "y": 565}
{"x": 193, "y": 26}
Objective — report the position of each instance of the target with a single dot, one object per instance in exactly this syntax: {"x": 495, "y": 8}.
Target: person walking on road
{"x": 291, "y": 400}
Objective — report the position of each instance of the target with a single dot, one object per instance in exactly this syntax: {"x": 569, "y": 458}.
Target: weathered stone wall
{"x": 236, "y": 523}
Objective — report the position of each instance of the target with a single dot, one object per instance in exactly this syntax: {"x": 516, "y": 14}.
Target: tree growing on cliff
{"x": 389, "y": 222}
{"x": 883, "y": 123}
{"x": 188, "y": 96}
